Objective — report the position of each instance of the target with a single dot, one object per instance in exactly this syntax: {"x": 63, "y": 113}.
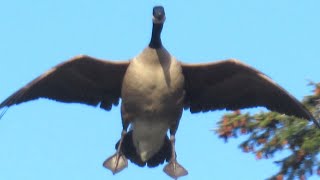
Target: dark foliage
{"x": 270, "y": 132}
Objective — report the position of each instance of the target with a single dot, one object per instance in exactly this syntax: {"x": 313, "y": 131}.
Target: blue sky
{"x": 48, "y": 140}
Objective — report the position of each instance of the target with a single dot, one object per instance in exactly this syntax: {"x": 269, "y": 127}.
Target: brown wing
{"x": 82, "y": 79}
{"x": 233, "y": 85}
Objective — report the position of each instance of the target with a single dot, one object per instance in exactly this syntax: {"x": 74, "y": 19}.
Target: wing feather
{"x": 233, "y": 85}
{"x": 82, "y": 79}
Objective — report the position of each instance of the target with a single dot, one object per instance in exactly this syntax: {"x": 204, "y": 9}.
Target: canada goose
{"x": 154, "y": 95}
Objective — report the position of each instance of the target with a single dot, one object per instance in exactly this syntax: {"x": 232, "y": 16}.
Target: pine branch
{"x": 270, "y": 132}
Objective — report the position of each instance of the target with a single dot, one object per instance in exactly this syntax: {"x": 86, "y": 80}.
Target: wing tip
{"x": 316, "y": 122}
{"x": 4, "y": 110}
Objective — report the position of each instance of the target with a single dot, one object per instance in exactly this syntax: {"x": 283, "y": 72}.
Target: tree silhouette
{"x": 270, "y": 132}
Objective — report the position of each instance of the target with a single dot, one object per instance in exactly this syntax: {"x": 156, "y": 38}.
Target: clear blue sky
{"x": 49, "y": 140}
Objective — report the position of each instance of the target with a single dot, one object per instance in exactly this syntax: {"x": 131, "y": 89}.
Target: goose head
{"x": 158, "y": 19}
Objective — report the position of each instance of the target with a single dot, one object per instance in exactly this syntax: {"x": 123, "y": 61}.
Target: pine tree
{"x": 270, "y": 132}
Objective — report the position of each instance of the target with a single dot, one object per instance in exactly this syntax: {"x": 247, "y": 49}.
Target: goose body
{"x": 155, "y": 88}
{"x": 153, "y": 94}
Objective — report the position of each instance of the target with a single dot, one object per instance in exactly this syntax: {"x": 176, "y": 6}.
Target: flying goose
{"x": 155, "y": 88}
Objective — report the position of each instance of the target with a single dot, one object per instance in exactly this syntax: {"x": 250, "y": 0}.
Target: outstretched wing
{"x": 82, "y": 79}
{"x": 233, "y": 85}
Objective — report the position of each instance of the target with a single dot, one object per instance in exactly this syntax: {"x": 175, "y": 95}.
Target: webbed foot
{"x": 116, "y": 163}
{"x": 175, "y": 170}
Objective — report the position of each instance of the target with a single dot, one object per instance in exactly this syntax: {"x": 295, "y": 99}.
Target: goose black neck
{"x": 155, "y": 38}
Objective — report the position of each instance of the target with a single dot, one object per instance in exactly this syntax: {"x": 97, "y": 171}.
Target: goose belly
{"x": 148, "y": 136}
